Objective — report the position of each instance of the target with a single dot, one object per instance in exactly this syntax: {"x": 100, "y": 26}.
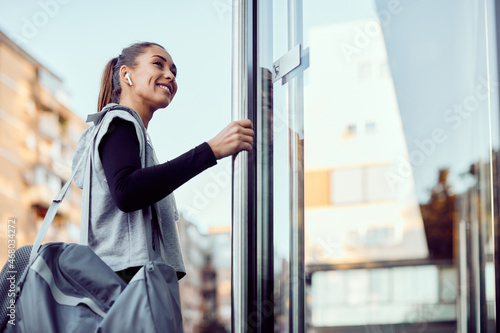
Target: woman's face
{"x": 153, "y": 78}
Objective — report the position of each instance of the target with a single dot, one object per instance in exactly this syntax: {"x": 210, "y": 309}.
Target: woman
{"x": 124, "y": 181}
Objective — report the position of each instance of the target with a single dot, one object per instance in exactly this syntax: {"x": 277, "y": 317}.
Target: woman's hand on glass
{"x": 237, "y": 136}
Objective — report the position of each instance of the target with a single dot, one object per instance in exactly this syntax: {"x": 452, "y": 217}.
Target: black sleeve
{"x": 133, "y": 187}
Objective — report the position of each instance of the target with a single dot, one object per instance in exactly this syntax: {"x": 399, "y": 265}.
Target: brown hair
{"x": 110, "y": 83}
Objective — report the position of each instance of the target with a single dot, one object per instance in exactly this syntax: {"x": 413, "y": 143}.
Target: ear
{"x": 123, "y": 71}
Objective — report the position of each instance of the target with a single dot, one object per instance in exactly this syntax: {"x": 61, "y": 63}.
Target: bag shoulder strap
{"x": 54, "y": 206}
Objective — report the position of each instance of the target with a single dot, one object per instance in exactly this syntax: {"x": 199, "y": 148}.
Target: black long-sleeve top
{"x": 133, "y": 187}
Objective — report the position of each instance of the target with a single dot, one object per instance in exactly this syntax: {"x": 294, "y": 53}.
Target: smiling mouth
{"x": 164, "y": 88}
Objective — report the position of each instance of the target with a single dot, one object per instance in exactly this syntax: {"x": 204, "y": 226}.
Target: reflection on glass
{"x": 281, "y": 210}
{"x": 398, "y": 184}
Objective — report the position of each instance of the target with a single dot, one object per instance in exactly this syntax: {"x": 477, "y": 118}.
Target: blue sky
{"x": 75, "y": 39}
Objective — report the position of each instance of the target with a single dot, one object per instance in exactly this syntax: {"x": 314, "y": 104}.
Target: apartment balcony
{"x": 48, "y": 125}
{"x": 61, "y": 168}
{"x": 40, "y": 195}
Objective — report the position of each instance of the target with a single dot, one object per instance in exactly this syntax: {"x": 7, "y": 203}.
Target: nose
{"x": 169, "y": 75}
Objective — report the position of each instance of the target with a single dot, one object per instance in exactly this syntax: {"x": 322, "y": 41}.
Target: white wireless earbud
{"x": 128, "y": 78}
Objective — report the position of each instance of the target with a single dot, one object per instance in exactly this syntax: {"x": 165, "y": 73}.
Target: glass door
{"x": 370, "y": 201}
{"x": 281, "y": 61}
{"x": 268, "y": 216}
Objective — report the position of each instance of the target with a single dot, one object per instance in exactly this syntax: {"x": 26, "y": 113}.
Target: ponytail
{"x": 110, "y": 83}
{"x": 106, "y": 84}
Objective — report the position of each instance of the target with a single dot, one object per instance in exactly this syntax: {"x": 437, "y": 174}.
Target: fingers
{"x": 242, "y": 126}
{"x": 246, "y": 138}
{"x": 246, "y": 142}
{"x": 247, "y": 147}
{"x": 246, "y": 123}
{"x": 247, "y": 131}
{"x": 244, "y": 129}
{"x": 237, "y": 136}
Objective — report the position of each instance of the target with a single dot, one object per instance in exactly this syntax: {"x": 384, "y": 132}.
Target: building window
{"x": 54, "y": 183}
{"x": 40, "y": 175}
{"x": 388, "y": 294}
{"x": 351, "y": 129}
{"x": 347, "y": 186}
{"x": 376, "y": 185}
{"x": 30, "y": 141}
{"x": 30, "y": 107}
{"x": 372, "y": 236}
{"x": 379, "y": 235}
{"x": 384, "y": 69}
{"x": 359, "y": 185}
{"x": 370, "y": 127}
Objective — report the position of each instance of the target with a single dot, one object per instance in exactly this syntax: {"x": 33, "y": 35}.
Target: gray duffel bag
{"x": 68, "y": 288}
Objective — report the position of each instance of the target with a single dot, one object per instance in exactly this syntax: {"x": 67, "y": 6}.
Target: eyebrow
{"x": 159, "y": 56}
{"x": 162, "y": 58}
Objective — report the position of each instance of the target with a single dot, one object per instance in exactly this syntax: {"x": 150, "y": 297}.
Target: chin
{"x": 162, "y": 105}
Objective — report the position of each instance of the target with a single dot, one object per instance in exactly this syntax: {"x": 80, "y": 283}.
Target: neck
{"x": 142, "y": 109}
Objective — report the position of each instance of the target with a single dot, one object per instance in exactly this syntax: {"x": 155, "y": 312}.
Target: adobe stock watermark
{"x": 363, "y": 37}
{"x": 427, "y": 313}
{"x": 422, "y": 315}
{"x": 426, "y": 147}
{"x": 35, "y": 22}
{"x": 11, "y": 273}
{"x": 325, "y": 248}
{"x": 223, "y": 8}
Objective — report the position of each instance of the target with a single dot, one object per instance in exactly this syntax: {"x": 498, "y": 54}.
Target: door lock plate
{"x": 287, "y": 63}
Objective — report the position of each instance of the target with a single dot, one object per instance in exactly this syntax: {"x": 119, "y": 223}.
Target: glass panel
{"x": 281, "y": 176}
{"x": 273, "y": 116}
{"x": 401, "y": 142}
